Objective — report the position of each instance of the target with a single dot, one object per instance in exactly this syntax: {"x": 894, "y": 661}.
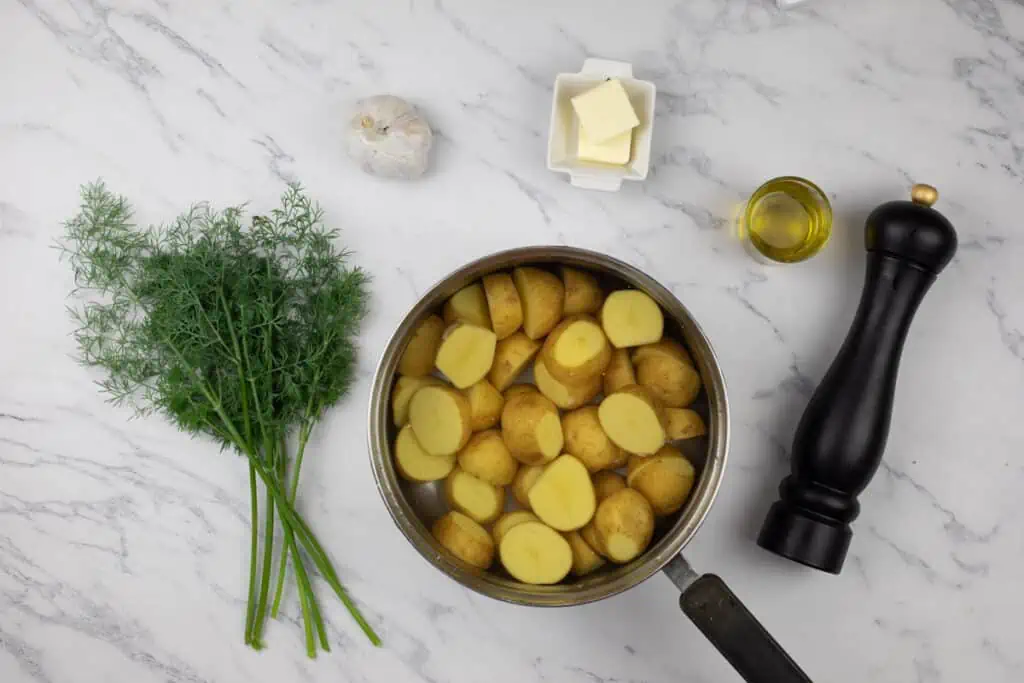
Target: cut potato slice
{"x": 465, "y": 539}
{"x": 565, "y": 396}
{"x": 584, "y": 558}
{"x": 631, "y": 318}
{"x": 542, "y": 295}
{"x": 511, "y": 357}
{"x": 405, "y": 387}
{"x": 419, "y": 355}
{"x": 468, "y": 305}
{"x": 502, "y": 303}
{"x": 531, "y": 428}
{"x": 439, "y": 416}
{"x": 634, "y": 420}
{"x": 485, "y": 404}
{"x": 624, "y": 523}
{"x": 487, "y": 458}
{"x": 684, "y": 423}
{"x": 576, "y": 351}
{"x": 606, "y": 483}
{"x": 466, "y": 354}
{"x": 473, "y": 497}
{"x": 582, "y": 292}
{"x": 415, "y": 464}
{"x": 585, "y": 439}
{"x": 664, "y": 479}
{"x": 675, "y": 383}
{"x": 535, "y": 554}
{"x": 509, "y": 520}
{"x": 619, "y": 373}
{"x": 563, "y": 496}
{"x": 524, "y": 480}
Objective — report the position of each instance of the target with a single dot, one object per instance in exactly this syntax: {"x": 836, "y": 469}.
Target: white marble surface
{"x": 123, "y": 544}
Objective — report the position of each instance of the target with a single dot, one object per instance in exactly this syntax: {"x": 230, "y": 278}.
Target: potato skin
{"x": 667, "y": 371}
{"x": 565, "y": 396}
{"x": 619, "y": 373}
{"x": 584, "y": 558}
{"x": 469, "y": 304}
{"x": 455, "y": 501}
{"x": 503, "y": 304}
{"x": 511, "y": 356}
{"x": 582, "y": 292}
{"x": 542, "y": 295}
{"x": 585, "y": 439}
{"x": 625, "y": 513}
{"x": 684, "y": 423}
{"x": 606, "y": 483}
{"x": 485, "y": 404}
{"x": 465, "y": 539}
{"x": 524, "y": 480}
{"x": 586, "y": 372}
{"x": 486, "y": 457}
{"x": 520, "y": 420}
{"x": 418, "y": 357}
{"x": 665, "y": 480}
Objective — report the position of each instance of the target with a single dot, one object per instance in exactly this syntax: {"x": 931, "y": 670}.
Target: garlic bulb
{"x": 388, "y": 137}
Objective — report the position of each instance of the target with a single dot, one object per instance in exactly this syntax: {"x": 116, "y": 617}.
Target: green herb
{"x": 242, "y": 333}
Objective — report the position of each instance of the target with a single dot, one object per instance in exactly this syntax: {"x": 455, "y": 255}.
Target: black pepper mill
{"x": 839, "y": 442}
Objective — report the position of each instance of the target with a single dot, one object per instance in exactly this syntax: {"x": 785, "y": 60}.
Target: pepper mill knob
{"x": 839, "y": 442}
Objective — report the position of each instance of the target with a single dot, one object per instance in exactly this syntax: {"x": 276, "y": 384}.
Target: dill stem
{"x": 268, "y": 563}
{"x": 304, "y": 432}
{"x": 250, "y": 612}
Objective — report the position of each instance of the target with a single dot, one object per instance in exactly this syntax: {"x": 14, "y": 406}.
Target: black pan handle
{"x": 734, "y": 631}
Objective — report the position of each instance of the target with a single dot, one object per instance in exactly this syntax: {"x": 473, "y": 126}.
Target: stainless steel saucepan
{"x": 705, "y": 599}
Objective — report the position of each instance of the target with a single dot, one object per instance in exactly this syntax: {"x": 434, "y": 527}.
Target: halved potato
{"x": 674, "y": 382}
{"x": 684, "y": 423}
{"x": 487, "y": 458}
{"x": 485, "y": 404}
{"x": 468, "y": 305}
{"x": 590, "y": 537}
{"x": 606, "y": 483}
{"x": 535, "y": 554}
{"x": 405, "y": 387}
{"x": 634, "y": 420}
{"x": 584, "y": 558}
{"x": 531, "y": 428}
{"x": 473, "y": 497}
{"x": 418, "y": 358}
{"x": 542, "y": 296}
{"x": 624, "y": 525}
{"x": 664, "y": 479}
{"x": 502, "y": 303}
{"x": 631, "y": 318}
{"x": 466, "y": 354}
{"x": 565, "y": 396}
{"x": 511, "y": 357}
{"x": 524, "y": 480}
{"x": 665, "y": 348}
{"x": 619, "y": 373}
{"x": 563, "y": 496}
{"x": 577, "y": 350}
{"x": 465, "y": 539}
{"x": 415, "y": 464}
{"x": 582, "y": 292}
{"x": 440, "y": 418}
{"x": 585, "y": 439}
{"x": 509, "y": 520}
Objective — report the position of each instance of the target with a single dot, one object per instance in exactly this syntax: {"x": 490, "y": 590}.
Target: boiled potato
{"x": 542, "y": 296}
{"x": 563, "y": 496}
{"x": 418, "y": 358}
{"x": 485, "y": 404}
{"x": 466, "y": 354}
{"x": 667, "y": 372}
{"x": 519, "y": 389}
{"x": 524, "y": 480}
{"x": 582, "y": 293}
{"x": 405, "y": 387}
{"x": 606, "y": 483}
{"x": 468, "y": 305}
{"x": 565, "y": 396}
{"x": 535, "y": 554}
{"x": 624, "y": 524}
{"x": 473, "y": 497}
{"x": 634, "y": 420}
{"x": 631, "y": 318}
{"x": 440, "y": 419}
{"x": 590, "y": 537}
{"x": 487, "y": 458}
{"x": 509, "y": 520}
{"x": 531, "y": 428}
{"x": 511, "y": 357}
{"x": 503, "y": 303}
{"x": 576, "y": 351}
{"x": 584, "y": 558}
{"x": 585, "y": 439}
{"x": 684, "y": 423}
{"x": 619, "y": 373}
{"x": 664, "y": 479}
{"x": 665, "y": 348}
{"x": 415, "y": 464}
{"x": 465, "y": 539}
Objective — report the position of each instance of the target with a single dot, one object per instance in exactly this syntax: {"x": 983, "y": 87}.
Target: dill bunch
{"x": 240, "y": 332}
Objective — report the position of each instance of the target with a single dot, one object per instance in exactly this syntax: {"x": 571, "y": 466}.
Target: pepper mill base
{"x": 805, "y": 538}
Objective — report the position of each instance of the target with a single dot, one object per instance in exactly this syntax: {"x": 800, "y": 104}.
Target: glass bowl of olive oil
{"x": 787, "y": 220}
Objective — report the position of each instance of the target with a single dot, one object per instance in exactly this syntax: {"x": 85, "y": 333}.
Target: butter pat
{"x": 605, "y": 111}
{"x": 613, "y": 151}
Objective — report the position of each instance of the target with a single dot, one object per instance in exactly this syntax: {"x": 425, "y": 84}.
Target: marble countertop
{"x": 123, "y": 544}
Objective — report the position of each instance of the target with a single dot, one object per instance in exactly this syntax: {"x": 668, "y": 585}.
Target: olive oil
{"x": 788, "y": 220}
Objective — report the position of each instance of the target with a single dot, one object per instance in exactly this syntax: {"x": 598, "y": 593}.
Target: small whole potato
{"x": 486, "y": 457}
{"x": 664, "y": 479}
{"x": 531, "y": 428}
{"x": 675, "y": 383}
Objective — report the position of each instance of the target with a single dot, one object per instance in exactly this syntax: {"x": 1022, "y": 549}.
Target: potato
{"x": 585, "y": 439}
{"x": 509, "y": 520}
{"x": 563, "y": 496}
{"x": 468, "y": 305}
{"x": 624, "y": 524}
{"x": 619, "y": 373}
{"x": 684, "y": 423}
{"x": 511, "y": 357}
{"x": 582, "y": 292}
{"x": 421, "y": 351}
{"x": 531, "y": 428}
{"x": 502, "y": 303}
{"x": 675, "y": 383}
{"x": 664, "y": 479}
{"x": 606, "y": 483}
{"x": 439, "y": 417}
{"x": 535, "y": 554}
{"x": 487, "y": 458}
{"x": 584, "y": 558}
{"x": 542, "y": 295}
{"x": 576, "y": 351}
{"x": 631, "y": 318}
{"x": 524, "y": 480}
{"x": 634, "y": 420}
{"x": 590, "y": 537}
{"x": 666, "y": 348}
{"x": 473, "y": 497}
{"x": 466, "y": 354}
{"x": 415, "y": 464}
{"x": 405, "y": 387}
{"x": 565, "y": 396}
{"x": 485, "y": 404}
{"x": 518, "y": 389}
{"x": 465, "y": 539}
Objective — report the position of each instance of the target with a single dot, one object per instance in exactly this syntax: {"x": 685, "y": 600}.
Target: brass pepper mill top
{"x": 924, "y": 195}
